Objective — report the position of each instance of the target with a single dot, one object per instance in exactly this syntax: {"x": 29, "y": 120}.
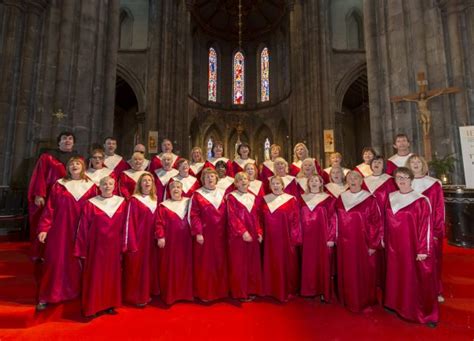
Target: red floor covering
{"x": 264, "y": 319}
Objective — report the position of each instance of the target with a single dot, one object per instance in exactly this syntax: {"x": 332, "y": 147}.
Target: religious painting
{"x": 212, "y": 82}
{"x": 239, "y": 78}
{"x": 264, "y": 75}
{"x": 328, "y": 140}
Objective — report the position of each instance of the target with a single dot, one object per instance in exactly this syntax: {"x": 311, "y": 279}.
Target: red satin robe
{"x": 226, "y": 184}
{"x": 99, "y": 243}
{"x": 334, "y": 189}
{"x": 140, "y": 266}
{"x": 396, "y": 161}
{"x": 245, "y": 272}
{"x": 432, "y": 189}
{"x": 282, "y": 233}
{"x": 47, "y": 171}
{"x": 266, "y": 172}
{"x": 195, "y": 169}
{"x": 359, "y": 228}
{"x": 363, "y": 169}
{"x": 291, "y": 186}
{"x": 128, "y": 181}
{"x": 117, "y": 164}
{"x": 211, "y": 163}
{"x": 208, "y": 217}
{"x": 176, "y": 258}
{"x": 162, "y": 178}
{"x": 238, "y": 165}
{"x": 190, "y": 185}
{"x": 97, "y": 174}
{"x": 256, "y": 187}
{"x": 319, "y": 226}
{"x": 61, "y": 271}
{"x": 410, "y": 287}
{"x": 155, "y": 162}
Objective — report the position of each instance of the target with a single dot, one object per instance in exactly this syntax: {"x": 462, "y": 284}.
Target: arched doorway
{"x": 353, "y": 121}
{"x": 125, "y": 117}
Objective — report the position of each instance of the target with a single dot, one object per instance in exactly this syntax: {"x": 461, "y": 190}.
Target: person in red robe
{"x": 300, "y": 153}
{"x": 140, "y": 266}
{"x": 335, "y": 160}
{"x": 225, "y": 182}
{"x": 245, "y": 235}
{"x": 239, "y": 162}
{"x": 129, "y": 178}
{"x": 208, "y": 226}
{"x": 50, "y": 167}
{"x": 218, "y": 155}
{"x": 411, "y": 288}
{"x": 61, "y": 277}
{"x": 359, "y": 236}
{"x": 97, "y": 169}
{"x": 337, "y": 183}
{"x": 282, "y": 231}
{"x": 401, "y": 144}
{"x": 157, "y": 161}
{"x": 140, "y": 148}
{"x": 319, "y": 228}
{"x": 255, "y": 186}
{"x": 368, "y": 154}
{"x": 281, "y": 169}
{"x": 175, "y": 242}
{"x": 99, "y": 244}
{"x": 114, "y": 161}
{"x": 266, "y": 170}
{"x": 197, "y": 163}
{"x": 433, "y": 190}
{"x": 189, "y": 183}
{"x": 380, "y": 185}
{"x": 307, "y": 170}
{"x": 164, "y": 175}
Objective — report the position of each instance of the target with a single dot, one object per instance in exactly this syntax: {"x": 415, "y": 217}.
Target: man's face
{"x": 66, "y": 143}
{"x": 110, "y": 146}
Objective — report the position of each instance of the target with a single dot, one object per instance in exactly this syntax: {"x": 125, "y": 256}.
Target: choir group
{"x": 119, "y": 230}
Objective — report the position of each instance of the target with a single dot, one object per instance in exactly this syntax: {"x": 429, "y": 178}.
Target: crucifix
{"x": 421, "y": 98}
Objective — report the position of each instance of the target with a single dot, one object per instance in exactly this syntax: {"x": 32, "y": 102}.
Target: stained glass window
{"x": 264, "y": 76}
{"x": 239, "y": 78}
{"x": 212, "y": 85}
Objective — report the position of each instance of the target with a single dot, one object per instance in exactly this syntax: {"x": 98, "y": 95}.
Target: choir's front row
{"x": 209, "y": 246}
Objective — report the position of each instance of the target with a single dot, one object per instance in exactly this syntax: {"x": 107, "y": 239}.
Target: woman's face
{"x": 355, "y": 183}
{"x": 197, "y": 155}
{"x": 97, "y": 161}
{"x": 167, "y": 162}
{"x": 300, "y": 152}
{"x": 337, "y": 176}
{"x": 416, "y": 166}
{"x": 242, "y": 184}
{"x": 218, "y": 150}
{"x": 377, "y": 167}
{"x": 274, "y": 152}
{"x": 146, "y": 184}
{"x": 107, "y": 188}
{"x": 244, "y": 152}
{"x": 276, "y": 186}
{"x": 308, "y": 168}
{"x": 221, "y": 171}
{"x": 250, "y": 170}
{"x": 335, "y": 161}
{"x": 280, "y": 168}
{"x": 403, "y": 182}
{"x": 315, "y": 184}
{"x": 184, "y": 168}
{"x": 166, "y": 146}
{"x": 137, "y": 163}
{"x": 75, "y": 168}
{"x": 368, "y": 156}
{"x": 210, "y": 180}
{"x": 176, "y": 191}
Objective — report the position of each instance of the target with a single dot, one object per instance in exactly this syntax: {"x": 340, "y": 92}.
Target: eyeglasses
{"x": 400, "y": 178}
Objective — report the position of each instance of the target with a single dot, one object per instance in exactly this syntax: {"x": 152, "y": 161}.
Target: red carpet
{"x": 301, "y": 319}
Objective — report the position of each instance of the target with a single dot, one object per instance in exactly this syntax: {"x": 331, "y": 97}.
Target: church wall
{"x": 339, "y": 10}
{"x": 139, "y": 10}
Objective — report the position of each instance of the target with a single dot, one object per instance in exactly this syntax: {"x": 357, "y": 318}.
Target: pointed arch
{"x": 126, "y": 28}
{"x": 238, "y": 78}
{"x": 354, "y": 29}
{"x": 263, "y": 132}
{"x": 213, "y": 133}
{"x": 232, "y": 141}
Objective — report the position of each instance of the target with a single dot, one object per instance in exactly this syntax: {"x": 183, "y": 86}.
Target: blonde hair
{"x": 301, "y": 172}
{"x": 335, "y": 154}
{"x": 138, "y": 155}
{"x": 174, "y": 183}
{"x": 105, "y": 179}
{"x": 355, "y": 174}
{"x": 279, "y": 178}
{"x": 192, "y": 152}
{"x": 239, "y": 176}
{"x": 301, "y": 144}
{"x": 138, "y": 186}
{"x": 424, "y": 164}
{"x": 342, "y": 172}
{"x": 254, "y": 166}
{"x": 82, "y": 175}
{"x": 206, "y": 171}
{"x": 280, "y": 159}
{"x": 321, "y": 188}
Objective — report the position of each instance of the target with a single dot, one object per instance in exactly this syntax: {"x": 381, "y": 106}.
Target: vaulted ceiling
{"x": 220, "y": 18}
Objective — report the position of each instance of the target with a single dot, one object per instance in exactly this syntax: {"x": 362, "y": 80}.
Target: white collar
{"x": 107, "y": 205}
{"x": 112, "y": 161}
{"x": 287, "y": 179}
{"x": 314, "y": 199}
{"x": 246, "y": 199}
{"x": 180, "y": 208}
{"x": 133, "y": 174}
{"x": 254, "y": 186}
{"x": 242, "y": 162}
{"x": 165, "y": 176}
{"x": 336, "y": 189}
{"x": 77, "y": 188}
{"x": 344, "y": 170}
{"x": 214, "y": 197}
{"x": 399, "y": 201}
{"x": 298, "y": 163}
{"x": 97, "y": 174}
{"x": 398, "y": 160}
{"x": 187, "y": 182}
{"x": 196, "y": 167}
{"x": 275, "y": 201}
{"x": 302, "y": 182}
{"x": 147, "y": 201}
{"x": 225, "y": 183}
{"x": 269, "y": 164}
{"x": 174, "y": 157}
{"x": 146, "y": 162}
{"x": 364, "y": 169}
{"x": 350, "y": 200}
{"x": 213, "y": 160}
{"x": 373, "y": 182}
{"x": 422, "y": 184}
